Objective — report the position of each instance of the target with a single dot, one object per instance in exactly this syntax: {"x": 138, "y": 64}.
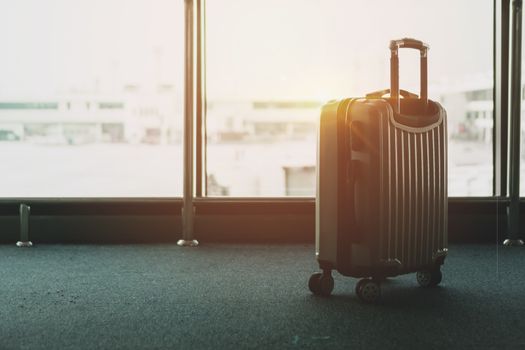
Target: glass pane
{"x": 91, "y": 98}
{"x": 271, "y": 65}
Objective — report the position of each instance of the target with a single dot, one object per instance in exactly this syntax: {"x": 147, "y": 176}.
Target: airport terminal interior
{"x": 170, "y": 180}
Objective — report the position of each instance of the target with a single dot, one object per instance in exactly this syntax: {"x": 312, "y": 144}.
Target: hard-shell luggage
{"x": 381, "y": 205}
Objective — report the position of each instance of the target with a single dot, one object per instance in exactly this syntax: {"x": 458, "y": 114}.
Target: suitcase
{"x": 381, "y": 204}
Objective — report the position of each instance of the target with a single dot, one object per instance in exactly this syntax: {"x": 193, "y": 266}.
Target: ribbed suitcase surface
{"x": 414, "y": 193}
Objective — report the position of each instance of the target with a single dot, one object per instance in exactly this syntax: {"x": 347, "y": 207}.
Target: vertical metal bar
{"x": 394, "y": 78}
{"x": 198, "y": 99}
{"x": 515, "y": 114}
{"x": 188, "y": 208}
{"x": 501, "y": 96}
{"x": 423, "y": 77}
{"x": 25, "y": 212}
{"x": 203, "y": 95}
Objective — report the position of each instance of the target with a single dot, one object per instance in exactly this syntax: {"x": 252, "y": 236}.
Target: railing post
{"x": 188, "y": 210}
{"x": 513, "y": 213}
{"x": 25, "y": 212}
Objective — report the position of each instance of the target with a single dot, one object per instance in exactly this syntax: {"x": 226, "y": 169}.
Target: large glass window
{"x": 91, "y": 98}
{"x": 272, "y": 64}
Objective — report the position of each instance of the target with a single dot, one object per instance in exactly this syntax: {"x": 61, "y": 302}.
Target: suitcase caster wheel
{"x": 429, "y": 278}
{"x": 321, "y": 284}
{"x": 368, "y": 290}
{"x": 314, "y": 283}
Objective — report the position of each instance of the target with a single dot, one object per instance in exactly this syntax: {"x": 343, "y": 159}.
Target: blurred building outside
{"x": 243, "y": 137}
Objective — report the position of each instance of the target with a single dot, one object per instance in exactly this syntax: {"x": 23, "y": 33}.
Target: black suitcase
{"x": 381, "y": 205}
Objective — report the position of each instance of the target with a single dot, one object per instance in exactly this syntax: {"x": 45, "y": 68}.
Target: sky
{"x": 322, "y": 48}
{"x": 271, "y": 49}
{"x": 55, "y": 46}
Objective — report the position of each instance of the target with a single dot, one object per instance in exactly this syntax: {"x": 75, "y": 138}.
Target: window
{"x": 272, "y": 64}
{"x": 91, "y": 98}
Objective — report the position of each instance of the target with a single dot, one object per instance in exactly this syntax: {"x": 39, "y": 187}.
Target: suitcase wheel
{"x": 368, "y": 290}
{"x": 321, "y": 284}
{"x": 429, "y": 278}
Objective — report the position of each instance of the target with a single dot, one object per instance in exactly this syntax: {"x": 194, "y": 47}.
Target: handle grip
{"x": 423, "y": 48}
{"x": 409, "y": 43}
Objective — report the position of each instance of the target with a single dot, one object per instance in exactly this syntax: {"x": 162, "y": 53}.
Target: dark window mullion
{"x": 501, "y": 96}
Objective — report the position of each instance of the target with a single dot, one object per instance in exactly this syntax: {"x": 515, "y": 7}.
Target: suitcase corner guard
{"x": 439, "y": 256}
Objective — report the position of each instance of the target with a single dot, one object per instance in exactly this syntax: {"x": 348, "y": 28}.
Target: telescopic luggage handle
{"x": 408, "y": 43}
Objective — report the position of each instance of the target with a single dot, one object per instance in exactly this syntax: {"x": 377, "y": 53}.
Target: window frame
{"x": 501, "y": 34}
{"x": 252, "y": 219}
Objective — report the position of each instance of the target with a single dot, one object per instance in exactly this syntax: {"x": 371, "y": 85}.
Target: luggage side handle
{"x": 423, "y": 48}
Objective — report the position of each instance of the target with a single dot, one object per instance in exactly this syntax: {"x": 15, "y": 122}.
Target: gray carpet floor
{"x": 225, "y": 296}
